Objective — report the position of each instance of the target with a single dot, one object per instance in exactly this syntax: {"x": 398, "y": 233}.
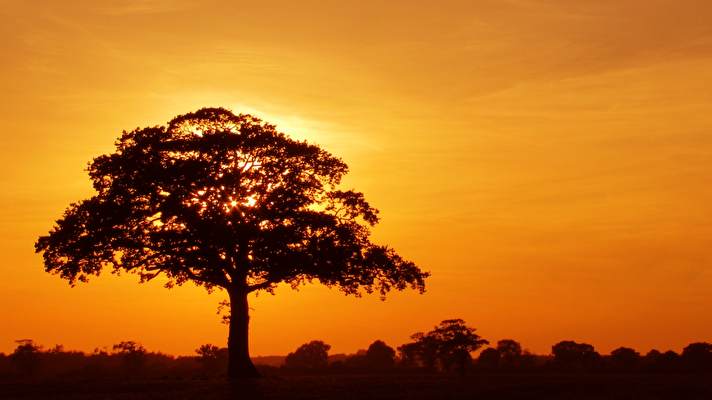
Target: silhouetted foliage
{"x": 26, "y": 356}
{"x": 380, "y": 356}
{"x": 29, "y": 362}
{"x": 510, "y": 353}
{"x": 309, "y": 356}
{"x": 422, "y": 352}
{"x": 133, "y": 356}
{"x": 657, "y": 361}
{"x": 409, "y": 354}
{"x": 698, "y": 356}
{"x": 447, "y": 345}
{"x": 569, "y": 355}
{"x": 224, "y": 201}
{"x": 509, "y": 356}
{"x": 625, "y": 359}
{"x": 341, "y": 363}
{"x": 669, "y": 361}
{"x": 488, "y": 359}
{"x": 212, "y": 358}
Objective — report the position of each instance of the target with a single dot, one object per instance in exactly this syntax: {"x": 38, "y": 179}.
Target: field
{"x": 346, "y": 387}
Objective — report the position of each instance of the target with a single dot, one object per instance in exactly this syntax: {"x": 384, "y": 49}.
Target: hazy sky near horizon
{"x": 549, "y": 161}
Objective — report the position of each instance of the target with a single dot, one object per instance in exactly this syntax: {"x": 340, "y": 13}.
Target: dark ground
{"x": 345, "y": 387}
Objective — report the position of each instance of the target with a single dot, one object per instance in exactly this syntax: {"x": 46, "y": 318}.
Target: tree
{"x": 457, "y": 341}
{"x": 571, "y": 355}
{"x": 26, "y": 356}
{"x": 698, "y": 356}
{"x": 380, "y": 356}
{"x": 449, "y": 343}
{"x": 669, "y": 361}
{"x": 625, "y": 358}
{"x": 489, "y": 359}
{"x": 409, "y": 354}
{"x": 423, "y": 351}
{"x": 224, "y": 201}
{"x": 211, "y": 357}
{"x": 312, "y": 355}
{"x": 510, "y": 352}
{"x": 132, "y": 354}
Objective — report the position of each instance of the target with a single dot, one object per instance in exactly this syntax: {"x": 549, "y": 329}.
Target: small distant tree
{"x": 58, "y": 348}
{"x": 380, "y": 356}
{"x": 510, "y": 353}
{"x": 658, "y": 361}
{"x": 353, "y": 362}
{"x": 698, "y": 356}
{"x": 488, "y": 359}
{"x": 423, "y": 351}
{"x": 211, "y": 357}
{"x": 574, "y": 356}
{"x": 448, "y": 344}
{"x": 409, "y": 354}
{"x": 310, "y": 356}
{"x": 457, "y": 341}
{"x": 669, "y": 361}
{"x": 26, "y": 357}
{"x": 225, "y": 201}
{"x": 651, "y": 360}
{"x": 133, "y": 355}
{"x": 625, "y": 358}
{"x": 208, "y": 351}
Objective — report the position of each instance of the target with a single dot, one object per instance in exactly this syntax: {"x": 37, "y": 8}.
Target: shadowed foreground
{"x": 482, "y": 386}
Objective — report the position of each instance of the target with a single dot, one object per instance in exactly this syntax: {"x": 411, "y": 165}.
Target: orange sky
{"x": 549, "y": 161}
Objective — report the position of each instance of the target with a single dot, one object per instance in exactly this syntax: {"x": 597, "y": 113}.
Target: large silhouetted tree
{"x": 224, "y": 201}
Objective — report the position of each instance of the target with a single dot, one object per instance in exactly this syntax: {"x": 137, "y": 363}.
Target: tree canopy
{"x": 312, "y": 355}
{"x": 222, "y": 199}
{"x": 448, "y": 344}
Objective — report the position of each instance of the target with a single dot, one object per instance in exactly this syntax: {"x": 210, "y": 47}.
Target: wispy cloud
{"x": 131, "y": 7}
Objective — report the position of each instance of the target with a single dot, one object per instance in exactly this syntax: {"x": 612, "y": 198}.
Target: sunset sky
{"x": 548, "y": 161}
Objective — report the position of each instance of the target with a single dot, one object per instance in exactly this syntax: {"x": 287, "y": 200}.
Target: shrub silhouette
{"x": 224, "y": 201}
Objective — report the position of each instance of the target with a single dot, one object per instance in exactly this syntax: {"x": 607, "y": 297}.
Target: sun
{"x": 292, "y": 124}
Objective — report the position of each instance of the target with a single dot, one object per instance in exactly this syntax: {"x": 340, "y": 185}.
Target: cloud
{"x": 134, "y": 7}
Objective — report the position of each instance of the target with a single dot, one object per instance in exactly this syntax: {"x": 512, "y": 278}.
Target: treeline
{"x": 448, "y": 348}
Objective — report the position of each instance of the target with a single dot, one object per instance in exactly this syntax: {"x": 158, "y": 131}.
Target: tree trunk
{"x": 239, "y": 363}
